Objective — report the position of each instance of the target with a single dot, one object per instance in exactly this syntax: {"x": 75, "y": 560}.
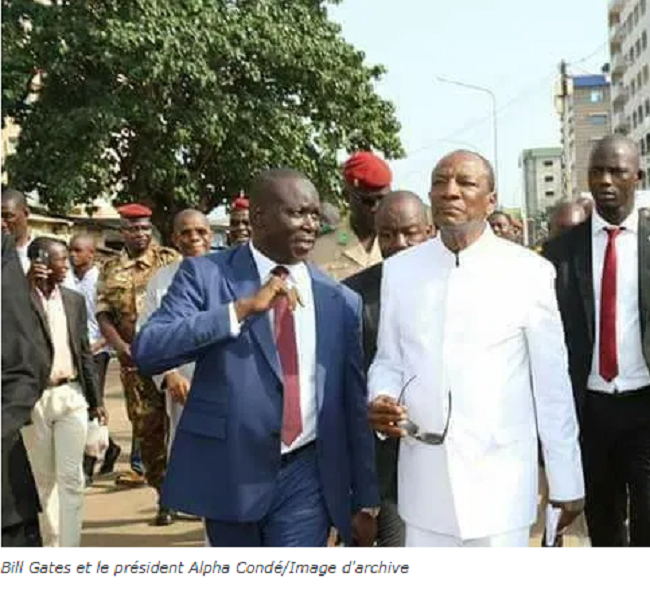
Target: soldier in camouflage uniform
{"x": 121, "y": 291}
{"x": 353, "y": 246}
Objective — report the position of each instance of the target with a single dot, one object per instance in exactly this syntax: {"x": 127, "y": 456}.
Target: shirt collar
{"x": 87, "y": 277}
{"x": 145, "y": 258}
{"x": 54, "y": 295}
{"x": 474, "y": 250}
{"x": 298, "y": 273}
{"x": 598, "y": 224}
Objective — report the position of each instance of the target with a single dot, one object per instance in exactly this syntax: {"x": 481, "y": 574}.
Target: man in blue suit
{"x": 273, "y": 446}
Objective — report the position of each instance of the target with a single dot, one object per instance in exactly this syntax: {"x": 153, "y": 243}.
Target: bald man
{"x": 401, "y": 222}
{"x": 603, "y": 289}
{"x": 566, "y": 216}
{"x": 192, "y": 236}
{"x": 502, "y": 225}
{"x": 15, "y": 213}
{"x": 274, "y": 444}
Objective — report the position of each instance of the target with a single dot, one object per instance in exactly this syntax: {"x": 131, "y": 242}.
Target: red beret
{"x": 134, "y": 211}
{"x": 240, "y": 203}
{"x": 367, "y": 170}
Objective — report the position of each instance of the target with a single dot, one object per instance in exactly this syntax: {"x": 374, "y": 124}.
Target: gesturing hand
{"x": 266, "y": 297}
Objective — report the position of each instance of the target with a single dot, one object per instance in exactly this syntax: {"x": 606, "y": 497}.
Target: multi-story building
{"x": 542, "y": 180}
{"x": 582, "y": 103}
{"x": 629, "y": 28}
{"x": 542, "y": 170}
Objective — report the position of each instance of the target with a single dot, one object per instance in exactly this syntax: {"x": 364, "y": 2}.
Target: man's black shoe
{"x": 164, "y": 517}
{"x": 110, "y": 458}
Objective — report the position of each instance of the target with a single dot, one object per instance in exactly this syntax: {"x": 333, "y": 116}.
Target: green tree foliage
{"x": 179, "y": 103}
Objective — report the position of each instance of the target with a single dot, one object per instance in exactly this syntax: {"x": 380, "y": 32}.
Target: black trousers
{"x": 616, "y": 459}
{"x": 26, "y": 534}
{"x": 101, "y": 365}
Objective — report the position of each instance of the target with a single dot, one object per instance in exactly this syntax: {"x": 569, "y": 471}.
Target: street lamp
{"x": 494, "y": 114}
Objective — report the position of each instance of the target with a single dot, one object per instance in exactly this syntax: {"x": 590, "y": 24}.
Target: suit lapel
{"x": 40, "y": 311}
{"x": 644, "y": 268}
{"x": 71, "y": 320}
{"x": 244, "y": 281}
{"x": 584, "y": 274}
{"x": 323, "y": 295}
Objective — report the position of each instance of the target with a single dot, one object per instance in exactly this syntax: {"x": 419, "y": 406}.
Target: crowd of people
{"x": 396, "y": 376}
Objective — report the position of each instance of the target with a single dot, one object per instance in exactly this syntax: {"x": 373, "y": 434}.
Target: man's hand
{"x": 364, "y": 529}
{"x": 384, "y": 415}
{"x": 124, "y": 355}
{"x": 570, "y": 511}
{"x": 101, "y": 414}
{"x": 97, "y": 346}
{"x": 178, "y": 386}
{"x": 266, "y": 297}
{"x": 38, "y": 274}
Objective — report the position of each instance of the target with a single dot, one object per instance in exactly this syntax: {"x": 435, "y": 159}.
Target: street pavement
{"x": 121, "y": 516}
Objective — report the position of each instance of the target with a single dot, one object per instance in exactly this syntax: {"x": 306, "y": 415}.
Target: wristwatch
{"x": 371, "y": 511}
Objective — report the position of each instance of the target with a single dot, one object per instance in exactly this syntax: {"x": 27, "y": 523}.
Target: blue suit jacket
{"x": 226, "y": 453}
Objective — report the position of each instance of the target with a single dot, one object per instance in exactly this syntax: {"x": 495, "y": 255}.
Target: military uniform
{"x": 121, "y": 292}
{"x": 340, "y": 254}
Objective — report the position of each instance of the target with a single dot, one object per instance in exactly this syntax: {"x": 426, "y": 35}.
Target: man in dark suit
{"x": 603, "y": 290}
{"x": 401, "y": 222}
{"x": 279, "y": 421}
{"x": 57, "y": 437}
{"x": 26, "y": 360}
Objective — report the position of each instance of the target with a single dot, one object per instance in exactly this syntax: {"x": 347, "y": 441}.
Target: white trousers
{"x": 55, "y": 443}
{"x": 419, "y": 538}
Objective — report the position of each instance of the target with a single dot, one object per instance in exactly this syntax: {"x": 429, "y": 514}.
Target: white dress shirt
{"x": 87, "y": 286}
{"x": 21, "y": 251}
{"x": 633, "y": 372}
{"x": 305, "y": 324}
{"x": 63, "y": 366}
{"x": 482, "y": 329}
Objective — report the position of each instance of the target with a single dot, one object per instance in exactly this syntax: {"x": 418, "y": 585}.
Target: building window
{"x": 642, "y": 5}
{"x": 640, "y": 113}
{"x": 637, "y": 46}
{"x": 642, "y": 145}
{"x": 600, "y": 119}
{"x": 634, "y": 120}
{"x": 633, "y": 87}
{"x": 550, "y": 193}
{"x": 596, "y": 96}
{"x": 548, "y": 178}
{"x": 548, "y": 163}
{"x": 639, "y": 81}
{"x": 647, "y": 107}
{"x": 646, "y": 74}
{"x": 644, "y": 40}
{"x": 636, "y": 15}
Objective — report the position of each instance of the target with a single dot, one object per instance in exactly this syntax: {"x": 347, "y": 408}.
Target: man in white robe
{"x": 470, "y": 324}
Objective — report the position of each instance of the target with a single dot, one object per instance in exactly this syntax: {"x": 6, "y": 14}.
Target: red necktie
{"x": 608, "y": 359}
{"x": 285, "y": 340}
